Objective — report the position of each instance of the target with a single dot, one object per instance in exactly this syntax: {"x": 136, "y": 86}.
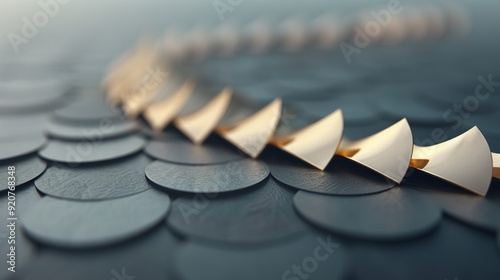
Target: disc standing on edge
{"x": 75, "y": 152}
{"x": 262, "y": 213}
{"x": 472, "y": 209}
{"x": 83, "y": 224}
{"x": 182, "y": 151}
{"x": 399, "y": 213}
{"x": 109, "y": 129}
{"x": 110, "y": 179}
{"x": 27, "y": 168}
{"x": 341, "y": 177}
{"x": 18, "y": 147}
{"x": 311, "y": 256}
{"x": 234, "y": 175}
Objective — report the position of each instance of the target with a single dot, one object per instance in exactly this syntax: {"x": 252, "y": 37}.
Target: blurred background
{"x": 433, "y": 51}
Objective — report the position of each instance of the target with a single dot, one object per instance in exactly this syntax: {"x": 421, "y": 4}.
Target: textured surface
{"x": 399, "y": 213}
{"x": 212, "y": 262}
{"x": 65, "y": 223}
{"x": 427, "y": 80}
{"x": 341, "y": 177}
{"x": 261, "y": 213}
{"x": 110, "y": 179}
{"x": 27, "y": 168}
{"x": 218, "y": 178}
{"x": 91, "y": 150}
{"x": 184, "y": 152}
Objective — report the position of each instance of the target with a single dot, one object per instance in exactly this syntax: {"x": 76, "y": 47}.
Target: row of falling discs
{"x": 465, "y": 160}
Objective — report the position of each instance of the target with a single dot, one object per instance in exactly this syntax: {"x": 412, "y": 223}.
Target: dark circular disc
{"x": 87, "y": 111}
{"x": 27, "y": 168}
{"x": 112, "y": 128}
{"x": 308, "y": 256}
{"x": 262, "y": 213}
{"x": 69, "y": 223}
{"x": 19, "y": 147}
{"x": 26, "y": 250}
{"x": 451, "y": 251}
{"x": 91, "y": 150}
{"x": 168, "y": 133}
{"x": 399, "y": 213}
{"x": 22, "y": 126}
{"x": 470, "y": 208}
{"x": 110, "y": 179}
{"x": 149, "y": 256}
{"x": 341, "y": 177}
{"x": 234, "y": 175}
{"x": 184, "y": 152}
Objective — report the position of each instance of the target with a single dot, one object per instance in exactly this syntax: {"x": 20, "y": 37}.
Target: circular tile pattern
{"x": 105, "y": 130}
{"x": 27, "y": 168}
{"x": 65, "y": 223}
{"x": 110, "y": 179}
{"x": 157, "y": 248}
{"x": 91, "y": 150}
{"x": 258, "y": 214}
{"x": 87, "y": 111}
{"x": 26, "y": 250}
{"x": 451, "y": 251}
{"x": 184, "y": 152}
{"x": 18, "y": 147}
{"x": 312, "y": 256}
{"x": 218, "y": 178}
{"x": 482, "y": 212}
{"x": 399, "y": 213}
{"x": 341, "y": 177}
